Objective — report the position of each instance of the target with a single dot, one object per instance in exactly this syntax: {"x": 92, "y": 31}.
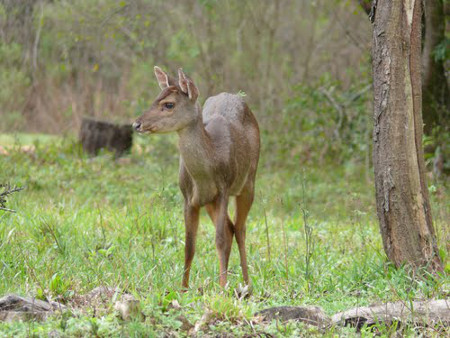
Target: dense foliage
{"x": 303, "y": 65}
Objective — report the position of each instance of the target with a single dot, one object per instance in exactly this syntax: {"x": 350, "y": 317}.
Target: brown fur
{"x": 219, "y": 150}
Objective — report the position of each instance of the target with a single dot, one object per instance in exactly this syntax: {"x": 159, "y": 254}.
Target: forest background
{"x": 304, "y": 67}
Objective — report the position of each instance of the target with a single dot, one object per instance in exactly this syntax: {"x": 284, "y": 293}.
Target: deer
{"x": 219, "y": 149}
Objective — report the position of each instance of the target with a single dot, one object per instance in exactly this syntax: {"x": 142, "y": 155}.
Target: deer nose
{"x": 137, "y": 125}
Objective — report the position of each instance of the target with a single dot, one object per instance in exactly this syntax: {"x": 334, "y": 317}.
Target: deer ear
{"x": 163, "y": 79}
{"x": 187, "y": 86}
{"x": 192, "y": 90}
{"x": 182, "y": 81}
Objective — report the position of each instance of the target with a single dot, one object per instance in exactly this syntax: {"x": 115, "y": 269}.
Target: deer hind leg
{"x": 191, "y": 216}
{"x": 218, "y": 212}
{"x": 243, "y": 204}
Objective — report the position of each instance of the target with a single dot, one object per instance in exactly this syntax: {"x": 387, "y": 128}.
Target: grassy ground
{"x": 83, "y": 223}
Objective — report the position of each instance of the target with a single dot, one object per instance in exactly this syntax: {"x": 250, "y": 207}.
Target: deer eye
{"x": 169, "y": 105}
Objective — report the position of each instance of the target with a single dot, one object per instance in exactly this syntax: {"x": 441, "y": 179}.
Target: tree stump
{"x": 96, "y": 135}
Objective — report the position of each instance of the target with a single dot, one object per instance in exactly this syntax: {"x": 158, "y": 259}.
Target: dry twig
{"x": 7, "y": 190}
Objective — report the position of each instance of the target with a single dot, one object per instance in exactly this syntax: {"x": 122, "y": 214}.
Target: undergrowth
{"x": 82, "y": 222}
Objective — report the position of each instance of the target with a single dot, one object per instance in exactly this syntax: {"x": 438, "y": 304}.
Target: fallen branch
{"x": 7, "y": 190}
{"x": 424, "y": 313}
{"x": 429, "y": 313}
{"x": 14, "y": 307}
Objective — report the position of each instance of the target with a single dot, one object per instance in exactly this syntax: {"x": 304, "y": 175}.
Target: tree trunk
{"x": 403, "y": 205}
{"x": 436, "y": 94}
{"x": 435, "y": 88}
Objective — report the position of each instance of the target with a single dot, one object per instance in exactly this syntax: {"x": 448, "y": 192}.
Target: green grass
{"x": 87, "y": 222}
{"x": 26, "y": 139}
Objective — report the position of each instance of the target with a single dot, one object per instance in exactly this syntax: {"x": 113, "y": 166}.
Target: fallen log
{"x": 14, "y": 307}
{"x": 313, "y": 315}
{"x": 417, "y": 313}
{"x": 421, "y": 313}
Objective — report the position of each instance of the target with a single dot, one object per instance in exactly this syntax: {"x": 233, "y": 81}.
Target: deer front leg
{"x": 191, "y": 216}
{"x": 224, "y": 237}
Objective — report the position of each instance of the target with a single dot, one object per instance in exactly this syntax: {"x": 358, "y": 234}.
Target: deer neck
{"x": 196, "y": 149}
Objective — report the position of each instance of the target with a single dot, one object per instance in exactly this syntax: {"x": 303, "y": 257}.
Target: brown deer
{"x": 219, "y": 150}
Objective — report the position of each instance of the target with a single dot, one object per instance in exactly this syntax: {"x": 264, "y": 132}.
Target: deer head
{"x": 175, "y": 107}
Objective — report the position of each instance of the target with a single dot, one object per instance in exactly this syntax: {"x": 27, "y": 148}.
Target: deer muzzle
{"x": 137, "y": 126}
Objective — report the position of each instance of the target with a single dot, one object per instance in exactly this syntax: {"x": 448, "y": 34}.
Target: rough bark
{"x": 403, "y": 205}
{"x": 436, "y": 94}
{"x": 435, "y": 88}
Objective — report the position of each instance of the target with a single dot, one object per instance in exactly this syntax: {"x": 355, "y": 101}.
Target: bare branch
{"x": 339, "y": 108}
{"x": 4, "y": 194}
{"x": 357, "y": 95}
{"x": 6, "y": 209}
